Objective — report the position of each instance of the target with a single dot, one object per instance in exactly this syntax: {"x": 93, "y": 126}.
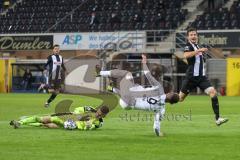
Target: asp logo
{"x": 72, "y": 39}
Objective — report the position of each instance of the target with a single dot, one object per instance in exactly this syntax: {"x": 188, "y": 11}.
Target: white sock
{"x": 124, "y": 105}
{"x": 115, "y": 90}
{"x": 156, "y": 121}
{"x": 105, "y": 73}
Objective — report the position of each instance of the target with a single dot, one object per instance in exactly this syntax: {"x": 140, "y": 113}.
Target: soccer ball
{"x": 70, "y": 124}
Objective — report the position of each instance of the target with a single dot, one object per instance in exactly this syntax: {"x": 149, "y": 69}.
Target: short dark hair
{"x": 173, "y": 98}
{"x": 191, "y": 29}
{"x": 104, "y": 109}
{"x": 55, "y": 45}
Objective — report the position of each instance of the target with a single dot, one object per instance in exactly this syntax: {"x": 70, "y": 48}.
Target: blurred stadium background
{"x": 116, "y": 32}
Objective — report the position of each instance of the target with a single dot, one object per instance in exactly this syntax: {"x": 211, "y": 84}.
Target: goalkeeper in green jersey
{"x": 83, "y": 118}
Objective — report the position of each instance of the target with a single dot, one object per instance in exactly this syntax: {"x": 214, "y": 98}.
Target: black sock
{"x": 215, "y": 106}
{"x": 52, "y": 97}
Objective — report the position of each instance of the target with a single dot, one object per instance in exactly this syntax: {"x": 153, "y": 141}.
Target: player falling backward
{"x": 195, "y": 74}
{"x": 134, "y": 96}
{"x": 82, "y": 118}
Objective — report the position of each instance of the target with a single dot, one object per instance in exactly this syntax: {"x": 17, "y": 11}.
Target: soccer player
{"x": 134, "y": 96}
{"x": 56, "y": 72}
{"x": 195, "y": 74}
{"x": 85, "y": 119}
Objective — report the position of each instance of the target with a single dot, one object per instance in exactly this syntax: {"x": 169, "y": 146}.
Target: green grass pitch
{"x": 190, "y": 132}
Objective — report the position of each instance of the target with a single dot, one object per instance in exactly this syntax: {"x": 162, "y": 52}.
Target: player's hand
{"x": 202, "y": 50}
{"x": 144, "y": 58}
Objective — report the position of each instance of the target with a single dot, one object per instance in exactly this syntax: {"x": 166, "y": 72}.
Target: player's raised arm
{"x": 149, "y": 76}
{"x": 144, "y": 62}
{"x": 144, "y": 59}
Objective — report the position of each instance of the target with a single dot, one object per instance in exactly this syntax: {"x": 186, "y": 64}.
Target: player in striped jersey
{"x": 195, "y": 74}
{"x": 56, "y": 73}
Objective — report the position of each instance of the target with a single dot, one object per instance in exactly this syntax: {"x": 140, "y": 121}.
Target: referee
{"x": 56, "y": 72}
{"x": 195, "y": 74}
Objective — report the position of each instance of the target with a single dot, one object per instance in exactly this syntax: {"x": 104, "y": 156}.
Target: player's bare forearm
{"x": 189, "y": 54}
{"x": 147, "y": 73}
{"x": 144, "y": 63}
{"x": 144, "y": 59}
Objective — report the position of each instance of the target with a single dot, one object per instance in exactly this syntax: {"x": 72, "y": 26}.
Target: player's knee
{"x": 56, "y": 91}
{"x": 129, "y": 75}
{"x": 211, "y": 91}
{"x": 182, "y": 96}
{"x": 46, "y": 119}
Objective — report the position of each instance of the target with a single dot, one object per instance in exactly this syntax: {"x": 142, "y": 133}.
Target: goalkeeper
{"x": 87, "y": 118}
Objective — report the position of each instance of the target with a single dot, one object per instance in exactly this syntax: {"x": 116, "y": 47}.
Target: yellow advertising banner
{"x": 10, "y": 61}
{"x": 2, "y": 76}
{"x": 6, "y": 75}
{"x": 233, "y": 76}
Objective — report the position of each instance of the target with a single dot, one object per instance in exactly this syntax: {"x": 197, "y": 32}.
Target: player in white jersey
{"x": 134, "y": 96}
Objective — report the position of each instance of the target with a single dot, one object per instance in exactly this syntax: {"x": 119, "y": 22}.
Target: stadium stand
{"x": 221, "y": 18}
{"x": 92, "y": 15}
{"x": 1, "y": 6}
{"x": 4, "y": 4}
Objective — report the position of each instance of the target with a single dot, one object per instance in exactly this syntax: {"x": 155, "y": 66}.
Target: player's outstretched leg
{"x": 51, "y": 98}
{"x": 157, "y": 124}
{"x": 115, "y": 73}
{"x": 215, "y": 105}
{"x": 31, "y": 121}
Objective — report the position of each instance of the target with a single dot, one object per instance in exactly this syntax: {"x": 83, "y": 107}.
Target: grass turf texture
{"x": 189, "y": 128}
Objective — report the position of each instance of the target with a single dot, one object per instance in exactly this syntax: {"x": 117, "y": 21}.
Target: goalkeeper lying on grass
{"x": 83, "y": 118}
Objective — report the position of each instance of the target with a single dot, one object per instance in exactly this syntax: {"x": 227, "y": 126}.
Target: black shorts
{"x": 55, "y": 84}
{"x": 190, "y": 83}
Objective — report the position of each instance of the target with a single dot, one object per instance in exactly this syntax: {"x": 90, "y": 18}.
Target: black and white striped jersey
{"x": 196, "y": 64}
{"x": 55, "y": 67}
